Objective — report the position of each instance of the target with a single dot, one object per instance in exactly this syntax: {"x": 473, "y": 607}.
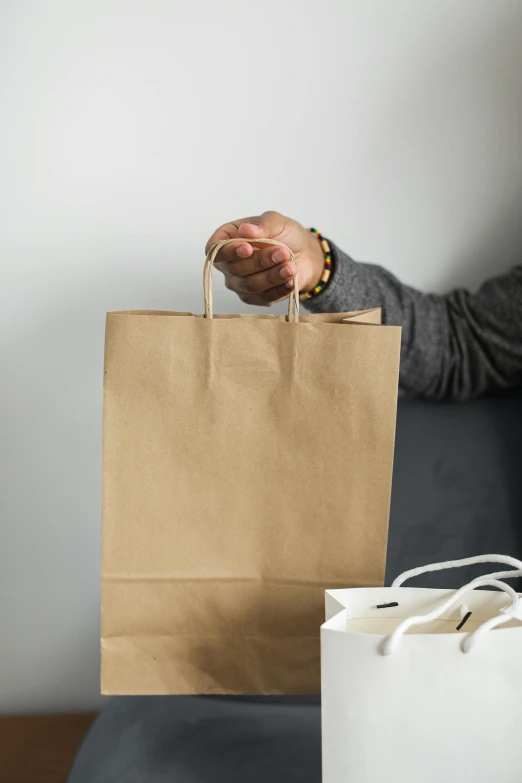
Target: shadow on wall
{"x": 499, "y": 246}
{"x": 480, "y": 77}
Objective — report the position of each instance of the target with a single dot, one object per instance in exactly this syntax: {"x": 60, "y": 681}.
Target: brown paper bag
{"x": 247, "y": 466}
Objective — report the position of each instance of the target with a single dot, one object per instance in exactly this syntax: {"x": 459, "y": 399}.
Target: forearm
{"x": 455, "y": 346}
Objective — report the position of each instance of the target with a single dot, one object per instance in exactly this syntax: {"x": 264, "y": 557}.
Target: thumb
{"x": 269, "y": 225}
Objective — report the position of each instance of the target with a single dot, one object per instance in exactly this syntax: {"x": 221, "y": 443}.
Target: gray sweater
{"x": 454, "y": 346}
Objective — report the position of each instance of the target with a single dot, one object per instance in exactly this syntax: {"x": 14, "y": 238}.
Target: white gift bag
{"x": 421, "y": 685}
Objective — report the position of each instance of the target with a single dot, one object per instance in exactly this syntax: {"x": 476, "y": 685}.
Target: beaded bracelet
{"x": 327, "y": 271}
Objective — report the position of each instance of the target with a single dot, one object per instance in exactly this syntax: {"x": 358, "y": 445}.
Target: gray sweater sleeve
{"x": 454, "y": 346}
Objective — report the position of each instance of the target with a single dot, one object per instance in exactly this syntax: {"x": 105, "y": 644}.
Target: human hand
{"x": 263, "y": 274}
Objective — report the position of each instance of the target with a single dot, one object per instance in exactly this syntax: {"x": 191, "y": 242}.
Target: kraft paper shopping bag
{"x": 247, "y": 466}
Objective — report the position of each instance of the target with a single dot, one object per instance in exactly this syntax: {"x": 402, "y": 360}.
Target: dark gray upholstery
{"x": 457, "y": 491}
{"x": 457, "y": 485}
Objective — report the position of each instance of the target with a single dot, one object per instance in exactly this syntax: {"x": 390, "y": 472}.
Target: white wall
{"x": 129, "y": 132}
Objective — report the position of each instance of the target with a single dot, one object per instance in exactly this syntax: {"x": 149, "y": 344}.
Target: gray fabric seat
{"x": 457, "y": 492}
{"x": 199, "y": 739}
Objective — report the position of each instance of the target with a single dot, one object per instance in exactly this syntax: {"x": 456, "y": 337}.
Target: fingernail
{"x": 285, "y": 272}
{"x": 279, "y": 255}
{"x": 243, "y": 251}
{"x": 249, "y": 226}
{"x": 290, "y": 284}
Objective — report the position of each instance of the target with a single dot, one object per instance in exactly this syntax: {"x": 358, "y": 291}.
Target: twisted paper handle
{"x": 293, "y": 302}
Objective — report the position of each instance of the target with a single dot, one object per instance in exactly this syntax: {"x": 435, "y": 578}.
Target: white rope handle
{"x": 293, "y": 302}
{"x": 503, "y": 559}
{"x": 390, "y": 643}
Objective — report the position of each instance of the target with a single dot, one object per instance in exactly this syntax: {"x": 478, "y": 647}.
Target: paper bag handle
{"x": 293, "y": 302}
{"x": 504, "y": 559}
{"x": 390, "y": 643}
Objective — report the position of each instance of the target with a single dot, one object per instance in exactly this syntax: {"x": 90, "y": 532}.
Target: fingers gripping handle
{"x": 293, "y": 302}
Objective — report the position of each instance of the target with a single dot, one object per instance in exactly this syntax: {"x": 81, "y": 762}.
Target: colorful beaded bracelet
{"x": 327, "y": 271}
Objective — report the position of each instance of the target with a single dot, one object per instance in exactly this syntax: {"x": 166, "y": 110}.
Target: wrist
{"x": 315, "y": 254}
{"x": 326, "y": 260}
